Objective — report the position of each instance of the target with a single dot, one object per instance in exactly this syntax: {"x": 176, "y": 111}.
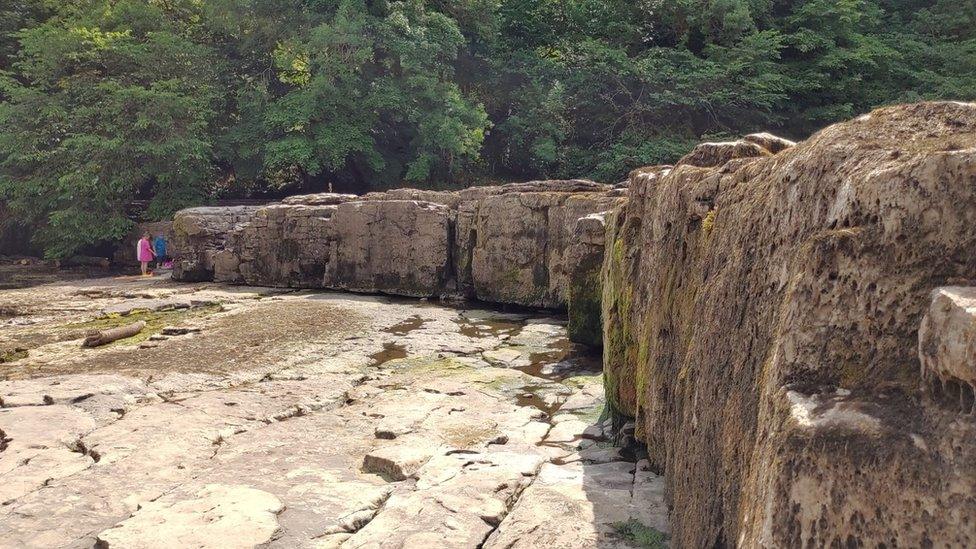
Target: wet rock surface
{"x": 278, "y": 418}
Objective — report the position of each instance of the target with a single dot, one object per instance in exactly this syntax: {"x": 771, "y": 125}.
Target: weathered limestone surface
{"x": 238, "y": 516}
{"x": 301, "y": 420}
{"x": 947, "y": 345}
{"x": 391, "y": 246}
{"x": 763, "y": 320}
{"x": 506, "y": 244}
{"x": 584, "y": 298}
{"x": 518, "y": 240}
{"x": 199, "y": 235}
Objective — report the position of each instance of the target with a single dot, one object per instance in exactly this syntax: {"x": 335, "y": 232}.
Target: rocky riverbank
{"x": 249, "y": 416}
{"x": 788, "y": 328}
{"x": 537, "y": 244}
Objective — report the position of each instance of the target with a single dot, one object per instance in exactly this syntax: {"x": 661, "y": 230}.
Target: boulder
{"x": 398, "y": 462}
{"x": 714, "y": 155}
{"x": 585, "y": 258}
{"x": 320, "y": 199}
{"x": 768, "y": 141}
{"x": 447, "y": 198}
{"x": 283, "y": 245}
{"x": 763, "y": 316}
{"x": 399, "y": 247}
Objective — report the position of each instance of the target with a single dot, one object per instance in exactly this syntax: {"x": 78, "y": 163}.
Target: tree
{"x": 102, "y": 111}
{"x": 106, "y": 104}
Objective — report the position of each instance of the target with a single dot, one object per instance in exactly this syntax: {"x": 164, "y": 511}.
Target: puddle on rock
{"x": 391, "y": 351}
{"x": 403, "y": 328}
{"x": 529, "y": 397}
{"x": 564, "y": 360}
{"x": 488, "y": 327}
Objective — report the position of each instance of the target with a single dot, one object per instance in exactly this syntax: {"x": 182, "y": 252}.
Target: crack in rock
{"x": 509, "y": 504}
{"x": 78, "y": 446}
{"x": 358, "y": 519}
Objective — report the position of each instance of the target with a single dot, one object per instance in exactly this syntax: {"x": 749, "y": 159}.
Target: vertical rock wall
{"x": 517, "y": 242}
{"x": 762, "y": 311}
{"x": 199, "y": 237}
{"x": 585, "y": 259}
{"x": 761, "y": 306}
{"x": 512, "y": 244}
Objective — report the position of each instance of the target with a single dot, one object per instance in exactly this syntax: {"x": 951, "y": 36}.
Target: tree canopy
{"x": 107, "y": 103}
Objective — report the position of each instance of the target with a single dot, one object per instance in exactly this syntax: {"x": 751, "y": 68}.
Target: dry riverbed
{"x": 242, "y": 417}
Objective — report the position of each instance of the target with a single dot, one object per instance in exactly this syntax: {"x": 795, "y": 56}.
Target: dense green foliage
{"x": 107, "y": 102}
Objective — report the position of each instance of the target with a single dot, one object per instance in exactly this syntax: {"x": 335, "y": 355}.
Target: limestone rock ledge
{"x": 510, "y": 244}
{"x": 763, "y": 322}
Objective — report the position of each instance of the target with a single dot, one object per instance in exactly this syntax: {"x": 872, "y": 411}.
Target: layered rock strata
{"x": 514, "y": 244}
{"x": 762, "y": 314}
{"x": 200, "y": 235}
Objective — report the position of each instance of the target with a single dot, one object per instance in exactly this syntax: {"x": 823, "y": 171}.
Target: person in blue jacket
{"x": 159, "y": 246}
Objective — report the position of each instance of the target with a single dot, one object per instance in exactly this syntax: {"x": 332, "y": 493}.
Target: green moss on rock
{"x": 12, "y": 355}
{"x": 585, "y": 308}
{"x": 640, "y": 534}
{"x": 619, "y": 349}
{"x": 155, "y": 321}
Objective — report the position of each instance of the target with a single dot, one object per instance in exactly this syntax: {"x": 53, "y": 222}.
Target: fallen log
{"x": 97, "y": 338}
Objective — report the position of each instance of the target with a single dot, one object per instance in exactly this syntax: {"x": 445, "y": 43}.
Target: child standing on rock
{"x": 144, "y": 253}
{"x": 159, "y": 250}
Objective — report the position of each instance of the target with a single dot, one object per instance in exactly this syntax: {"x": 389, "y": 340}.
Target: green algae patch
{"x": 440, "y": 366}
{"x": 581, "y": 381}
{"x": 592, "y": 415}
{"x": 504, "y": 383}
{"x": 641, "y": 534}
{"x": 426, "y": 365}
{"x": 466, "y": 436}
{"x": 708, "y": 224}
{"x": 12, "y": 355}
{"x": 155, "y": 321}
{"x": 585, "y": 306}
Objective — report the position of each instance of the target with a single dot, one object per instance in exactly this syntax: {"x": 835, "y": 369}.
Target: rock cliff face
{"x": 762, "y": 308}
{"x": 392, "y": 246}
{"x": 514, "y": 244}
{"x": 199, "y": 237}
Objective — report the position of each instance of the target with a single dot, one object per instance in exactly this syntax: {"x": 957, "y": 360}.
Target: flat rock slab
{"x": 581, "y": 506}
{"x": 272, "y": 429}
{"x": 67, "y": 389}
{"x": 458, "y": 501}
{"x": 238, "y": 516}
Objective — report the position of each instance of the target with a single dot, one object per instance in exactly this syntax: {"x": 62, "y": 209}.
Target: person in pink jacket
{"x": 144, "y": 253}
